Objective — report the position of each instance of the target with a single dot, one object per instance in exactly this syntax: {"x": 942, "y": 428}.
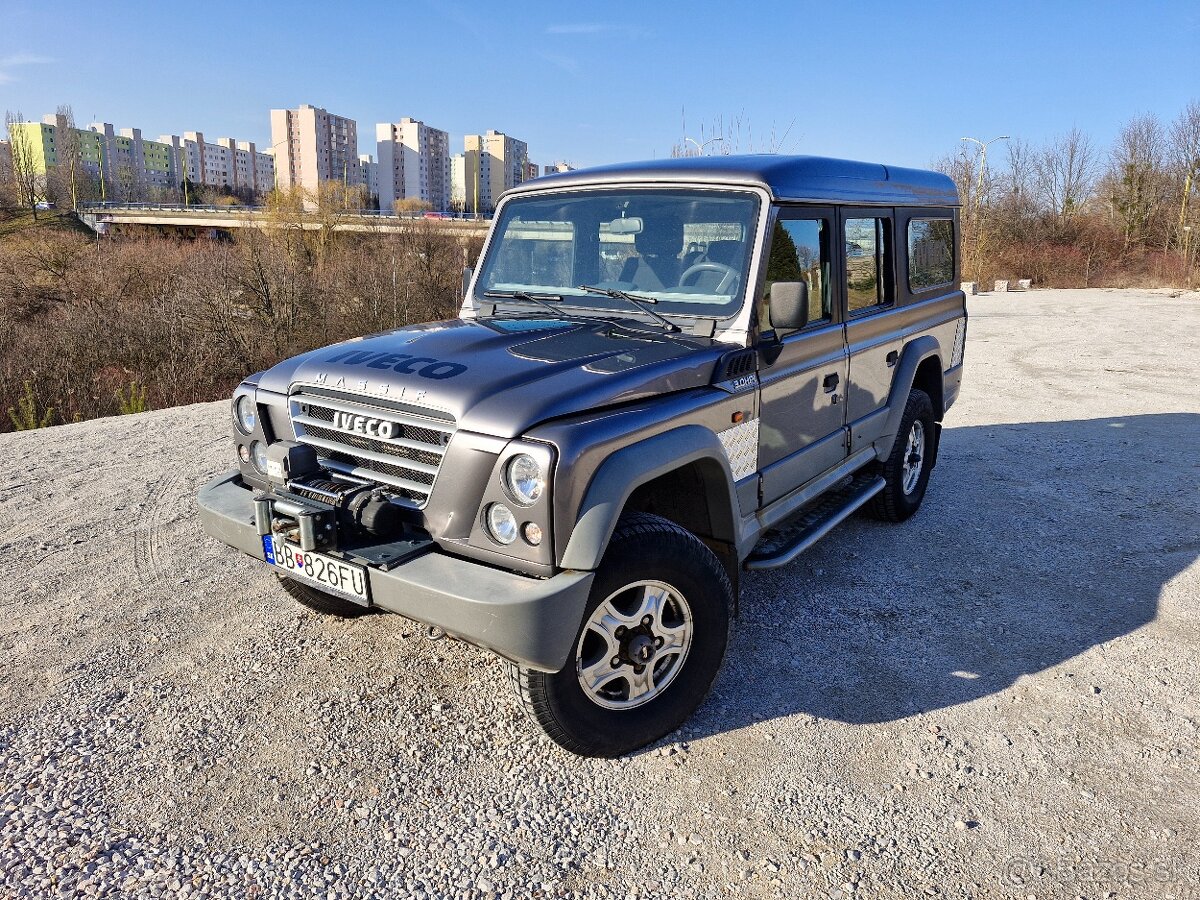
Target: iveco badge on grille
{"x": 366, "y": 425}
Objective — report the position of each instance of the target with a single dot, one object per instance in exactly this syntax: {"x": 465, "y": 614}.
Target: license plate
{"x": 341, "y": 578}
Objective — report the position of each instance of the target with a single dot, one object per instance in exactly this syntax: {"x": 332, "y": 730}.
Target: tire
{"x": 653, "y": 571}
{"x": 320, "y": 602}
{"x": 906, "y": 477}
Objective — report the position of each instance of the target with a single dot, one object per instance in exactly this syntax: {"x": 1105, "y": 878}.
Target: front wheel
{"x": 653, "y": 637}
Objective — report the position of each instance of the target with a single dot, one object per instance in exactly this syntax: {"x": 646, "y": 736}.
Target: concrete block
{"x": 1002, "y": 287}
{"x": 1025, "y": 284}
{"x": 970, "y": 288}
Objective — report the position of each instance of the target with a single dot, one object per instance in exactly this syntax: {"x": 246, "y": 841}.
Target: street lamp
{"x": 978, "y": 218}
{"x": 700, "y": 147}
{"x": 983, "y": 145}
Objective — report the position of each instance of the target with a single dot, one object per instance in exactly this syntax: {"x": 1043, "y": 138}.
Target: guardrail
{"x": 112, "y": 205}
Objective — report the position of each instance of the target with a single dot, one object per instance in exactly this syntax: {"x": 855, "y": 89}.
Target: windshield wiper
{"x": 543, "y": 300}
{"x": 642, "y": 303}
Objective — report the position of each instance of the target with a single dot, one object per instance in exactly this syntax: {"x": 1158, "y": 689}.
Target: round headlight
{"x": 245, "y": 413}
{"x": 501, "y": 523}
{"x": 525, "y": 479}
{"x": 258, "y": 453}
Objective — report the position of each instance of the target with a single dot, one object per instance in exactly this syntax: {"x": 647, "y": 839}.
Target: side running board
{"x": 783, "y": 544}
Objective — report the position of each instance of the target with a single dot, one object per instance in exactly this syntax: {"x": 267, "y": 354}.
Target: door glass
{"x": 868, "y": 263}
{"x": 800, "y": 252}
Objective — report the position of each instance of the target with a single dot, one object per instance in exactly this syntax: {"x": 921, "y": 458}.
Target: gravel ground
{"x": 995, "y": 699}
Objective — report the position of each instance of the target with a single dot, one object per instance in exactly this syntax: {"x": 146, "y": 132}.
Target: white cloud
{"x": 24, "y": 59}
{"x": 16, "y": 60}
{"x": 590, "y": 28}
{"x": 566, "y": 63}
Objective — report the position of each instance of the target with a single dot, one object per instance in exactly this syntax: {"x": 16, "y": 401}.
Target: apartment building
{"x": 558, "y": 167}
{"x": 128, "y": 166}
{"x": 489, "y": 165}
{"x": 124, "y": 162}
{"x": 460, "y": 185}
{"x": 414, "y": 163}
{"x": 313, "y": 146}
{"x": 369, "y": 175}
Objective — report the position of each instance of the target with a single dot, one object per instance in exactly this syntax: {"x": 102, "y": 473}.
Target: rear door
{"x": 802, "y": 373}
{"x": 874, "y": 330}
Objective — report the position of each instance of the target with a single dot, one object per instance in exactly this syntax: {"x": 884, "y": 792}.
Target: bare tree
{"x": 68, "y": 172}
{"x": 1014, "y": 204}
{"x": 28, "y": 183}
{"x": 976, "y": 186}
{"x": 1064, "y": 174}
{"x": 407, "y": 206}
{"x": 1136, "y": 180}
{"x": 126, "y": 182}
{"x": 7, "y": 191}
{"x": 1184, "y": 159}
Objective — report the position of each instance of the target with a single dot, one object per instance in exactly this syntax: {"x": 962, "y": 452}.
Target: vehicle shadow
{"x": 1036, "y": 542}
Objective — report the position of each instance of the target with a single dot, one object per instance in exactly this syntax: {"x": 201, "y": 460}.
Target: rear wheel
{"x": 907, "y": 469}
{"x": 652, "y": 640}
{"x": 321, "y": 602}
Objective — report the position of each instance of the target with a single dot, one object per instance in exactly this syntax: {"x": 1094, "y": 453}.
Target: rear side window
{"x": 930, "y": 253}
{"x": 868, "y": 263}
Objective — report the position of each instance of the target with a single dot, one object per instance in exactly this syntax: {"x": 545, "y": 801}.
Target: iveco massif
{"x": 662, "y": 375}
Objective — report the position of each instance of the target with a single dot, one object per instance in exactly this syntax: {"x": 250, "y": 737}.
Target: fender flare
{"x": 629, "y": 468}
{"x": 915, "y": 352}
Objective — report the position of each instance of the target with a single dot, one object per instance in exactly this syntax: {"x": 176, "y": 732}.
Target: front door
{"x": 802, "y": 373}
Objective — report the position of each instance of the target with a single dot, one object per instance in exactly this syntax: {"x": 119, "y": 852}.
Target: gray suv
{"x": 663, "y": 375}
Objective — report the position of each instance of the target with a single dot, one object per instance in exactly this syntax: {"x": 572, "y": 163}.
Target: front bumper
{"x": 531, "y": 621}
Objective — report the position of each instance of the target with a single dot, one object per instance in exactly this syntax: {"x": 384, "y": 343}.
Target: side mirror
{"x": 789, "y": 305}
{"x": 466, "y": 282}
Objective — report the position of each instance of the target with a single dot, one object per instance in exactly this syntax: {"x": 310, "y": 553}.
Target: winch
{"x": 309, "y": 506}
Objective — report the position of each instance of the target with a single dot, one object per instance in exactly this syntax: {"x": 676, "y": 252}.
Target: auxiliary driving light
{"x": 258, "y": 453}
{"x": 501, "y": 523}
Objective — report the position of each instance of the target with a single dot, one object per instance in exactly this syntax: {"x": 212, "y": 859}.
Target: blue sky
{"x": 605, "y": 82}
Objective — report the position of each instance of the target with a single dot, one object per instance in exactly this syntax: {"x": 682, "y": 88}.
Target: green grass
{"x": 15, "y": 221}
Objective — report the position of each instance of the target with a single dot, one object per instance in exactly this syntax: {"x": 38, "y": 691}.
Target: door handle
{"x": 892, "y": 358}
{"x": 831, "y": 382}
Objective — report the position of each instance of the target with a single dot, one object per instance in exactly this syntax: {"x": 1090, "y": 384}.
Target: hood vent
{"x": 735, "y": 364}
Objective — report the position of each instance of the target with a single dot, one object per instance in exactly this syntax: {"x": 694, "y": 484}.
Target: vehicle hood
{"x": 502, "y": 376}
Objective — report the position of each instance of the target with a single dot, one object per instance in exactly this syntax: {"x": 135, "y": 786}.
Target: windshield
{"x": 687, "y": 249}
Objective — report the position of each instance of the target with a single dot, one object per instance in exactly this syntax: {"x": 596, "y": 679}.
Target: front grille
{"x": 406, "y": 460}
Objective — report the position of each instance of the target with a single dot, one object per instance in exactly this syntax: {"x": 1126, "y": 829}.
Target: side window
{"x": 869, "y": 263}
{"x": 800, "y": 251}
{"x": 930, "y": 253}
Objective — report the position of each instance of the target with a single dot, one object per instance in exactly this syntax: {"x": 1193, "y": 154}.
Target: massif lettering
{"x": 425, "y": 366}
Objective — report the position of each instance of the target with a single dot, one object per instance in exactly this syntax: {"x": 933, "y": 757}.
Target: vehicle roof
{"x": 813, "y": 178}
